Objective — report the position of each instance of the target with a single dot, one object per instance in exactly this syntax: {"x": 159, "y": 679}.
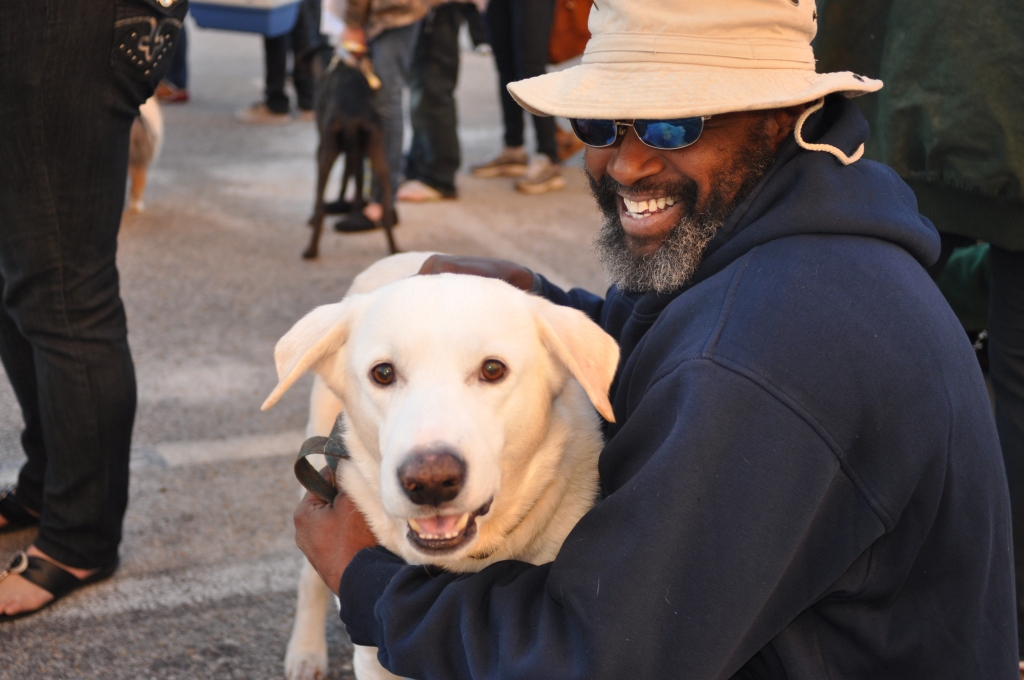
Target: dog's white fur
{"x": 530, "y": 441}
{"x": 147, "y": 138}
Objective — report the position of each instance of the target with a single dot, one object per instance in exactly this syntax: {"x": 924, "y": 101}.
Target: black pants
{"x": 304, "y": 41}
{"x": 72, "y": 76}
{"x": 520, "y": 31}
{"x": 435, "y": 156}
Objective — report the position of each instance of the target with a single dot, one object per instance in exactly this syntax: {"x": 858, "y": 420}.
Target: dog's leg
{"x": 327, "y": 154}
{"x": 138, "y": 188}
{"x": 379, "y": 163}
{"x": 306, "y": 658}
{"x": 354, "y": 150}
{"x": 366, "y": 667}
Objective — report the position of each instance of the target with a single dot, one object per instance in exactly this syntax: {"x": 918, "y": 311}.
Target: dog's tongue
{"x": 439, "y": 525}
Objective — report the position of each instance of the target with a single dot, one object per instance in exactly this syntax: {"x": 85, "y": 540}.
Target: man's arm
{"x": 518, "y": 276}
{"x": 729, "y": 515}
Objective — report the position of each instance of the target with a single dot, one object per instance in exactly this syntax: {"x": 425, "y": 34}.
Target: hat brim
{"x": 626, "y": 91}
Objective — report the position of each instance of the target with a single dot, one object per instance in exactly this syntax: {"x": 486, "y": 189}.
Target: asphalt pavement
{"x": 211, "y": 277}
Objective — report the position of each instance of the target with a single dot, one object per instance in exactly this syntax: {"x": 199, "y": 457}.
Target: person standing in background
{"x": 173, "y": 89}
{"x": 389, "y": 31}
{"x": 520, "y": 31}
{"x": 434, "y": 156}
{"x": 63, "y": 333}
{"x": 305, "y": 43}
{"x": 949, "y": 122}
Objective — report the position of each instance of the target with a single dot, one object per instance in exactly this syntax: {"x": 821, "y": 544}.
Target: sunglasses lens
{"x": 669, "y": 134}
{"x": 593, "y": 132}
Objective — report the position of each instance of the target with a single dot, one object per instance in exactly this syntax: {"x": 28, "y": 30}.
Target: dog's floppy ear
{"x": 590, "y": 354}
{"x": 313, "y": 338}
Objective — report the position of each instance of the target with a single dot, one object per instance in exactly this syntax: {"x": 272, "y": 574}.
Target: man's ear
{"x": 590, "y": 354}
{"x": 319, "y": 335}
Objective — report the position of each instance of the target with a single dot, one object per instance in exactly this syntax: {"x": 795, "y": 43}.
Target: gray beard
{"x": 669, "y": 267}
{"x": 677, "y": 258}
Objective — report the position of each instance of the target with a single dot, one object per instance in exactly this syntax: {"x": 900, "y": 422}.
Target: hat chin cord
{"x": 827, "y": 148}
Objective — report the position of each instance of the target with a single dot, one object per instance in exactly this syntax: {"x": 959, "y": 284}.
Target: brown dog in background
{"x": 348, "y": 124}
{"x": 147, "y": 137}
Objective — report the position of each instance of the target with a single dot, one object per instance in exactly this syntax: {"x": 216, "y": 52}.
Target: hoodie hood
{"x": 810, "y": 192}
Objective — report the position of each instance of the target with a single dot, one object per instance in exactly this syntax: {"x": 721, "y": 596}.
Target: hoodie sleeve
{"x": 577, "y": 298}
{"x": 734, "y": 516}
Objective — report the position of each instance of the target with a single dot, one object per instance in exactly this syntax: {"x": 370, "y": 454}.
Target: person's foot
{"x": 511, "y": 162}
{"x": 170, "y": 94}
{"x": 541, "y": 177}
{"x": 415, "y": 191}
{"x": 17, "y": 595}
{"x": 374, "y": 212}
{"x": 260, "y": 114}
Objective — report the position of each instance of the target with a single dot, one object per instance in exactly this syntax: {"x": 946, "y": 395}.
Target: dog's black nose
{"x": 432, "y": 477}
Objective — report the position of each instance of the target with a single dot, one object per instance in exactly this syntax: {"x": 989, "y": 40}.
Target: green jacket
{"x": 950, "y": 119}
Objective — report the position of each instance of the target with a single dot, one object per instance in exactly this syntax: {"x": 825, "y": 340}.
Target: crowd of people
{"x": 782, "y": 320}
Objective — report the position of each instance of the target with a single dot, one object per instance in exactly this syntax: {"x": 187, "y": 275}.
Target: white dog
{"x": 469, "y": 414}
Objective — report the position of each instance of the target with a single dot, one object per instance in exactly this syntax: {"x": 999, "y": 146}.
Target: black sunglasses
{"x": 657, "y": 134}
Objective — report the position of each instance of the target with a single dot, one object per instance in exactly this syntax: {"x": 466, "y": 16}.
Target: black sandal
{"x": 49, "y": 577}
{"x": 17, "y": 514}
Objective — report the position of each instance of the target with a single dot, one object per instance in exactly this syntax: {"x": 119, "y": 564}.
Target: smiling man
{"x": 803, "y": 479}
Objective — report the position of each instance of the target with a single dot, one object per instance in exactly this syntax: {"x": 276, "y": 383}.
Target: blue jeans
{"x": 63, "y": 338}
{"x": 434, "y": 155}
{"x": 391, "y": 52}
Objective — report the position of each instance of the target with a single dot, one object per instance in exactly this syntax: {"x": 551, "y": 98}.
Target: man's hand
{"x": 330, "y": 535}
{"x": 488, "y": 267}
{"x": 353, "y": 34}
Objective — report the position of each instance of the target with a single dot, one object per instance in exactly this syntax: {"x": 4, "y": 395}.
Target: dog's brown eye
{"x": 383, "y": 374}
{"x": 492, "y": 370}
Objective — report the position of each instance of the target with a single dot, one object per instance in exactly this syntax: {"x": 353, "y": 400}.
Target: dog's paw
{"x": 306, "y": 666}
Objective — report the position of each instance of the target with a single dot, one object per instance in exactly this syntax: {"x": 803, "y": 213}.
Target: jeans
{"x": 305, "y": 41}
{"x": 434, "y": 156}
{"x": 392, "y": 53}
{"x": 63, "y": 335}
{"x": 520, "y": 31}
{"x": 177, "y": 70}
{"x": 1006, "y": 370}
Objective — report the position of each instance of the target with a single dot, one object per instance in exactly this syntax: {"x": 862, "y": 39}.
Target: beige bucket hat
{"x": 660, "y": 59}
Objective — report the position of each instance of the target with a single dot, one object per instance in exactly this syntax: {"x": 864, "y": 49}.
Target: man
{"x": 389, "y": 31}
{"x": 434, "y": 154}
{"x": 803, "y": 479}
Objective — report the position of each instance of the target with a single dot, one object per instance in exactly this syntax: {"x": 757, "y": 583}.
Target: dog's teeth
{"x": 416, "y": 527}
{"x": 463, "y": 521}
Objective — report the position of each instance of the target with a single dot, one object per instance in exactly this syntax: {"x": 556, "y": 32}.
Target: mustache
{"x": 607, "y": 192}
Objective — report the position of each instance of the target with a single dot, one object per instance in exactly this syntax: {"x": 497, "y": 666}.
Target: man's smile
{"x": 649, "y": 220}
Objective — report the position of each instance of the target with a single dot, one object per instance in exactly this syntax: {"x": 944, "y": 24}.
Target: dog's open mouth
{"x": 442, "y": 534}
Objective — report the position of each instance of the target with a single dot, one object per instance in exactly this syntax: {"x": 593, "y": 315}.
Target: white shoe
{"x": 415, "y": 191}
{"x": 511, "y": 162}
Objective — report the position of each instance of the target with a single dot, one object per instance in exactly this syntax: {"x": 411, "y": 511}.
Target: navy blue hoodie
{"x": 803, "y": 480}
